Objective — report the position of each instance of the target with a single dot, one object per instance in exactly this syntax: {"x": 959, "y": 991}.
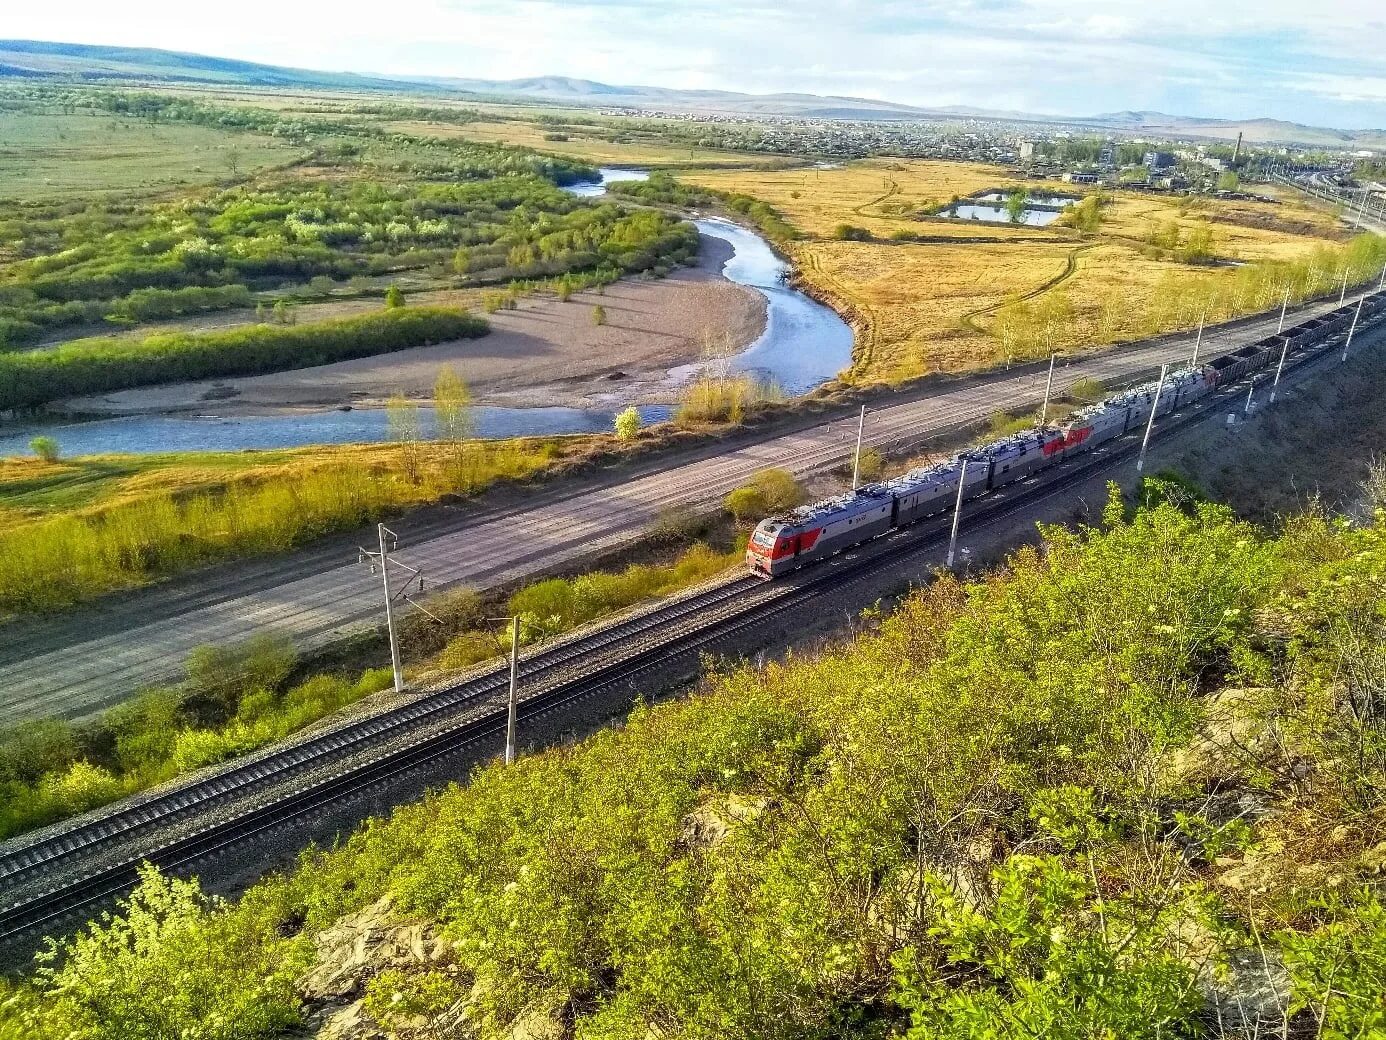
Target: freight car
{"x": 785, "y": 543}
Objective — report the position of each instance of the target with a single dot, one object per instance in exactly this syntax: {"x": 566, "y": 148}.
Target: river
{"x": 804, "y": 344}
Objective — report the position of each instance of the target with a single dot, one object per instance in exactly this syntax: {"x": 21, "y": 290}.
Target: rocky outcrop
{"x": 351, "y": 953}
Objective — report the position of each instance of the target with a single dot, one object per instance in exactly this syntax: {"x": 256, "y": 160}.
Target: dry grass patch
{"x": 880, "y": 195}
{"x": 905, "y": 330}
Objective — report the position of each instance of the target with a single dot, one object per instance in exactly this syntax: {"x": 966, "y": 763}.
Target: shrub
{"x": 627, "y": 424}
{"x": 851, "y": 233}
{"x": 598, "y": 314}
{"x": 394, "y": 298}
{"x": 746, "y": 504}
{"x": 45, "y": 448}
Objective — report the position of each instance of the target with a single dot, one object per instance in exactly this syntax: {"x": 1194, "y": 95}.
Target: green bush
{"x": 45, "y": 448}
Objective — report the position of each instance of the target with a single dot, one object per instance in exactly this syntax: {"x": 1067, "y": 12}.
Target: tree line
{"x": 92, "y": 366}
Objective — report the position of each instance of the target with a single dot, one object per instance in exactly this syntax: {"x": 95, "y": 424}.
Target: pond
{"x": 1031, "y": 199}
{"x": 997, "y": 215}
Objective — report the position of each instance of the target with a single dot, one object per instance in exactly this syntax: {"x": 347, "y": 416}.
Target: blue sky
{"x": 1320, "y": 62}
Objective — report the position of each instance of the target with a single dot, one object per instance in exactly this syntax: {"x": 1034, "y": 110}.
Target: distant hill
{"x": 34, "y": 59}
{"x": 1262, "y": 131}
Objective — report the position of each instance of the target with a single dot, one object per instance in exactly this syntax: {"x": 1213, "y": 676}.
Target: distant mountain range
{"x": 35, "y": 59}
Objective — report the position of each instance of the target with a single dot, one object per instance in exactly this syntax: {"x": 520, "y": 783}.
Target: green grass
{"x": 51, "y": 156}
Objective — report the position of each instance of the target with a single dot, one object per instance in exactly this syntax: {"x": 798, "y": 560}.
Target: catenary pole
{"x": 1353, "y": 327}
{"x": 382, "y": 531}
{"x": 957, "y": 515}
{"x": 1284, "y": 306}
{"x": 1193, "y": 362}
{"x": 856, "y": 459}
{"x": 514, "y": 676}
{"x": 1280, "y": 367}
{"x": 1150, "y": 423}
{"x": 1048, "y": 388}
{"x": 1342, "y": 294}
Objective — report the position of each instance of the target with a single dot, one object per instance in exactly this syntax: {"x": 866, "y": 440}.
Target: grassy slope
{"x": 1022, "y": 803}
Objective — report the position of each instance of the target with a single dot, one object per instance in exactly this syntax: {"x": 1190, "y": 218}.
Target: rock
{"x": 708, "y": 824}
{"x": 617, "y": 375}
{"x": 350, "y": 954}
{"x": 1251, "y": 998}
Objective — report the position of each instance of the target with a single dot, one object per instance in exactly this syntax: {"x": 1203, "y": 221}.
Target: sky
{"x": 1320, "y": 62}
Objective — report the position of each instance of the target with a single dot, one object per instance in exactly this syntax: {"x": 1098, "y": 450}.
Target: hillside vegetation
{"x": 1132, "y": 785}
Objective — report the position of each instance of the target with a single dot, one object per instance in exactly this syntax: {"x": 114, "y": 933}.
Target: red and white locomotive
{"x": 785, "y": 543}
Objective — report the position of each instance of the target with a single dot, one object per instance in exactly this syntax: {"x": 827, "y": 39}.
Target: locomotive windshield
{"x": 765, "y": 539}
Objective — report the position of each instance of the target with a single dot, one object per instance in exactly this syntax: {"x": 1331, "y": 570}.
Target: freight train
{"x": 781, "y": 544}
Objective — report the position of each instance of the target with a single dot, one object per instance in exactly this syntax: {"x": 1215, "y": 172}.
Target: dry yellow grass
{"x": 877, "y": 194}
{"x": 922, "y": 307}
{"x": 905, "y": 329}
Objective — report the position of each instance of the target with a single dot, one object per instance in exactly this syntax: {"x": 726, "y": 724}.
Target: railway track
{"x": 405, "y": 738}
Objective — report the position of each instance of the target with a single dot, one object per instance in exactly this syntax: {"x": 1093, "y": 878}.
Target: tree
{"x": 45, "y": 448}
{"x": 394, "y": 298}
{"x": 1229, "y": 181}
{"x": 1015, "y": 205}
{"x": 402, "y": 418}
{"x": 628, "y": 424}
{"x": 598, "y": 314}
{"x": 452, "y": 414}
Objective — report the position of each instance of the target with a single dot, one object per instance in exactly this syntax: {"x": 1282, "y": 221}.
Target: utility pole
{"x": 1048, "y": 386}
{"x": 1193, "y": 362}
{"x": 389, "y": 542}
{"x": 1353, "y": 327}
{"x": 1150, "y": 423}
{"x": 957, "y": 515}
{"x": 384, "y": 561}
{"x": 1280, "y": 367}
{"x": 856, "y": 459}
{"x": 514, "y": 675}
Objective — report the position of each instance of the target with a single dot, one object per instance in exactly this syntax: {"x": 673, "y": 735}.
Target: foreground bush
{"x": 94, "y": 366}
{"x": 1017, "y": 808}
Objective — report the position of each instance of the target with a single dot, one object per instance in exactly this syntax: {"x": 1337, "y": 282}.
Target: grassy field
{"x": 933, "y": 305}
{"x": 50, "y": 156}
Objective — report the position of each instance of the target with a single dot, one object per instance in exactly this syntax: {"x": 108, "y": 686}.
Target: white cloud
{"x": 1274, "y": 57}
